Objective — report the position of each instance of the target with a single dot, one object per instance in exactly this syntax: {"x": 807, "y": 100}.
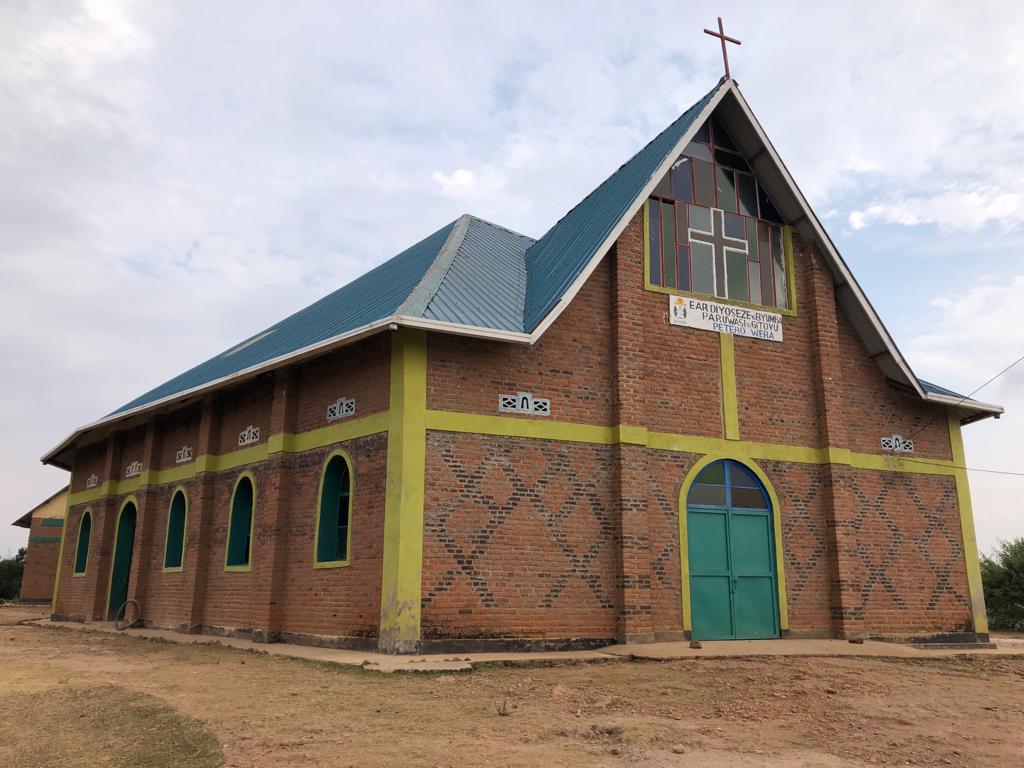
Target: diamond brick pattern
{"x": 908, "y": 533}
{"x": 518, "y": 530}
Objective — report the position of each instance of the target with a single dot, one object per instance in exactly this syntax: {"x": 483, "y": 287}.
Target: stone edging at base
{"x": 380, "y": 662}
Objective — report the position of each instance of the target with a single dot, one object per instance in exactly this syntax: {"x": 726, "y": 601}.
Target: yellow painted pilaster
{"x": 403, "y": 505}
{"x": 60, "y": 551}
{"x": 963, "y": 498}
{"x": 730, "y": 403}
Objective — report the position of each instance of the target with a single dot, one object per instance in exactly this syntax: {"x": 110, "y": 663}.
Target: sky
{"x": 178, "y": 176}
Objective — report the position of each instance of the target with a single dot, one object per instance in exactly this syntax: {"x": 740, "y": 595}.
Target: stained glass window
{"x": 713, "y": 229}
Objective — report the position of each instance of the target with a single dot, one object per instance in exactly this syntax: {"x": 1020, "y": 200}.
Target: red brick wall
{"x": 519, "y": 539}
{"x": 40, "y": 562}
{"x": 472, "y": 481}
{"x": 242, "y": 406}
{"x": 178, "y": 430}
{"x": 336, "y": 602}
{"x": 77, "y": 594}
{"x": 89, "y": 460}
{"x": 361, "y": 371}
{"x": 346, "y": 600}
{"x": 680, "y": 372}
{"x": 570, "y": 365}
{"x": 875, "y": 408}
{"x": 915, "y": 581}
{"x": 166, "y": 600}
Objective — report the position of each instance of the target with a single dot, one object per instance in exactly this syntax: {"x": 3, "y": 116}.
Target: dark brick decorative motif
{"x": 908, "y": 543}
{"x": 518, "y": 527}
{"x": 804, "y": 529}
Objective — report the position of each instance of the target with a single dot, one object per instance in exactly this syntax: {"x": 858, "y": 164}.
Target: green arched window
{"x": 82, "y": 549}
{"x": 333, "y": 522}
{"x": 239, "y": 549}
{"x": 174, "y": 547}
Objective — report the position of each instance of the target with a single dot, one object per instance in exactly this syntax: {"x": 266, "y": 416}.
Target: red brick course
{"x": 40, "y": 561}
{"x": 519, "y": 539}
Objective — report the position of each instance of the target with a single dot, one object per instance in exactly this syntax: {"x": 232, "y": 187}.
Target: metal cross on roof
{"x": 724, "y": 38}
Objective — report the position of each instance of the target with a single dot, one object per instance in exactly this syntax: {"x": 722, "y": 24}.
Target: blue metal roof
{"x": 935, "y": 389}
{"x": 374, "y": 296}
{"x": 485, "y": 284}
{"x": 470, "y": 273}
{"x": 558, "y": 258}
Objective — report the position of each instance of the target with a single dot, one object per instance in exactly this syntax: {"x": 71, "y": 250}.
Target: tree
{"x": 11, "y": 569}
{"x": 1002, "y": 576}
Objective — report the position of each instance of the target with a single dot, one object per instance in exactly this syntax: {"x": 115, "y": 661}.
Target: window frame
{"x": 317, "y": 563}
{"x": 184, "y": 532}
{"x": 787, "y": 246}
{"x": 243, "y": 567}
{"x": 78, "y": 546}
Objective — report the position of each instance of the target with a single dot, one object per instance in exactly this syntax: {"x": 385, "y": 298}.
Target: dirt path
{"x": 122, "y": 701}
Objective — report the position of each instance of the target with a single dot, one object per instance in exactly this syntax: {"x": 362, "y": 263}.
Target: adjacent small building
{"x": 45, "y": 522}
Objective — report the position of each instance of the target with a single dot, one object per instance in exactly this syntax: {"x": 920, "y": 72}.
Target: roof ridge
{"x": 419, "y": 297}
{"x": 684, "y": 114}
{"x": 501, "y": 227}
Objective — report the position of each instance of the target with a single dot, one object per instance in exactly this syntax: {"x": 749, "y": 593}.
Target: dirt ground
{"x": 71, "y": 698}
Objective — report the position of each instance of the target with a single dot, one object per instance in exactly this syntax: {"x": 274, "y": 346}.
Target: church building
{"x": 675, "y": 415}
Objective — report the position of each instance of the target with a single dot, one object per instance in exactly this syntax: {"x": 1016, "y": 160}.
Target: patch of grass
{"x": 70, "y": 726}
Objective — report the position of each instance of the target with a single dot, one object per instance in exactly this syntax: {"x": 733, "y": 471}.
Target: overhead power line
{"x": 967, "y": 397}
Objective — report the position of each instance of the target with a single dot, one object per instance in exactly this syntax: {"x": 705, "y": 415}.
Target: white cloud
{"x": 966, "y": 210}
{"x": 973, "y": 335}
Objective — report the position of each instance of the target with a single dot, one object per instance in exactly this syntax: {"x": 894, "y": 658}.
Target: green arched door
{"x": 731, "y": 550}
{"x": 124, "y": 543}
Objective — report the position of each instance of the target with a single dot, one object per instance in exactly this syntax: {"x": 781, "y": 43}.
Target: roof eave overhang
{"x": 56, "y": 456}
{"x": 969, "y": 410}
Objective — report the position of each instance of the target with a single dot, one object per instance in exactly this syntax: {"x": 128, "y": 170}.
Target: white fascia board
{"x": 275, "y": 362}
{"x": 617, "y": 230}
{"x": 298, "y": 355}
{"x": 965, "y": 403}
{"x": 458, "y": 329}
{"x": 831, "y": 251}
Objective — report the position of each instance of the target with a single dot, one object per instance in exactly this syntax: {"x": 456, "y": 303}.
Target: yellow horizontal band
{"x": 280, "y": 443}
{"x": 511, "y": 426}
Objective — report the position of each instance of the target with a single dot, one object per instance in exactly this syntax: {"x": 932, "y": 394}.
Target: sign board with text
{"x": 707, "y": 315}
